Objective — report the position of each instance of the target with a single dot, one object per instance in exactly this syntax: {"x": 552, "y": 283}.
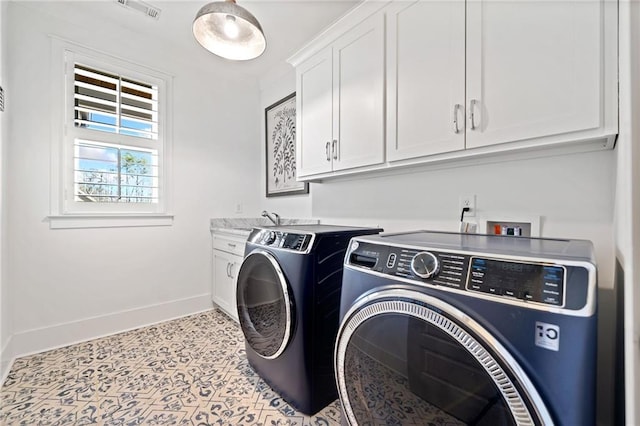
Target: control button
{"x": 509, "y": 293}
{"x": 494, "y": 290}
{"x": 527, "y": 296}
{"x": 476, "y": 287}
{"x": 391, "y": 261}
{"x": 553, "y": 300}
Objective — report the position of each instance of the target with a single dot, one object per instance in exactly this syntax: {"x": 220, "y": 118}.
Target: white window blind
{"x": 113, "y": 103}
{"x": 116, "y": 139}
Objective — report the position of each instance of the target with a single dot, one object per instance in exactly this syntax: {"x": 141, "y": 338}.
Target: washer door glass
{"x": 264, "y": 304}
{"x": 403, "y": 361}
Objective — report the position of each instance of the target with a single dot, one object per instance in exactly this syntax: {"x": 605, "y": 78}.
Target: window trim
{"x": 66, "y": 213}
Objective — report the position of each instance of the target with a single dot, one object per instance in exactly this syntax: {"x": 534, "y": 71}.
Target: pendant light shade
{"x": 229, "y": 31}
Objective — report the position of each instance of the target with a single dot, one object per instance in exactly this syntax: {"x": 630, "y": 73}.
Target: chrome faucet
{"x": 271, "y": 216}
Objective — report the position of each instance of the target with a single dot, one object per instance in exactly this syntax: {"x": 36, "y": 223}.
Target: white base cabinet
{"x": 228, "y": 253}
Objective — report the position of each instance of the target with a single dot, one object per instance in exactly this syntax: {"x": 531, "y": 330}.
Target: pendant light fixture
{"x": 230, "y": 31}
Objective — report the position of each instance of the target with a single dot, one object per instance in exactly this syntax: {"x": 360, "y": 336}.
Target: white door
{"x": 359, "y": 95}
{"x": 223, "y": 282}
{"x": 425, "y": 78}
{"x": 534, "y": 69}
{"x": 314, "y": 113}
{"x": 233, "y": 274}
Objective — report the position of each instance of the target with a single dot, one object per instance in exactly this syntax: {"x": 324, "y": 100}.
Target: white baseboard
{"x": 60, "y": 335}
{"x": 6, "y": 361}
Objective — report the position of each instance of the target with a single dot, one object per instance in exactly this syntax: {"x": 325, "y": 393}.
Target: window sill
{"x": 73, "y": 221}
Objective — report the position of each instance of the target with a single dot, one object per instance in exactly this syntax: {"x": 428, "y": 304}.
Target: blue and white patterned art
{"x": 280, "y": 121}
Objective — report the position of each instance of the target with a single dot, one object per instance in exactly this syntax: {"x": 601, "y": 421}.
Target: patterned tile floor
{"x": 190, "y": 371}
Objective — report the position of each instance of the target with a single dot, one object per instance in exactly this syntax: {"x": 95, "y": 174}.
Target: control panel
{"x": 281, "y": 239}
{"x": 527, "y": 281}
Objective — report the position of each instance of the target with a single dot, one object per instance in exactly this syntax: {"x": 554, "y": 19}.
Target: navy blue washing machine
{"x": 288, "y": 300}
{"x": 451, "y": 329}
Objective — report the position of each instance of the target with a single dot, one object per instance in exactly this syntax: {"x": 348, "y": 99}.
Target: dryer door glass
{"x": 264, "y": 305}
{"x": 403, "y": 362}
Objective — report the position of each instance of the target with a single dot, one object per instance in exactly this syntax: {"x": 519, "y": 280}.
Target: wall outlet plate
{"x": 470, "y": 202}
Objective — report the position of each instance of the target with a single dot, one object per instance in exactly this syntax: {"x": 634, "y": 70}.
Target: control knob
{"x": 425, "y": 264}
{"x": 270, "y": 238}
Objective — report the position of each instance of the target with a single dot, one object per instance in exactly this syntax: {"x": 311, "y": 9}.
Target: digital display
{"x": 526, "y": 281}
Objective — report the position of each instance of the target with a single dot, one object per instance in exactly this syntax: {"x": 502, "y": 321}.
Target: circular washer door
{"x": 403, "y": 357}
{"x": 264, "y": 304}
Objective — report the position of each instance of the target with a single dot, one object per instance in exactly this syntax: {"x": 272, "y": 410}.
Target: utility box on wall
{"x": 516, "y": 226}
{"x": 516, "y": 229}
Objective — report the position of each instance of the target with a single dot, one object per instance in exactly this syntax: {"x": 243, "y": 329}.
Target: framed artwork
{"x": 280, "y": 123}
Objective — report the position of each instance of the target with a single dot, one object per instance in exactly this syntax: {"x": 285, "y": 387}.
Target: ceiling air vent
{"x": 140, "y": 6}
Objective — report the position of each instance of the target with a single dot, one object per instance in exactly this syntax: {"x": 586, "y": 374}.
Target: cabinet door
{"x": 223, "y": 291}
{"x": 425, "y": 78}
{"x": 233, "y": 272}
{"x": 314, "y": 114}
{"x": 358, "y": 88}
{"x": 534, "y": 69}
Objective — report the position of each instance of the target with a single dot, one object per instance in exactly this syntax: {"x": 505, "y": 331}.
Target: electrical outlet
{"x": 468, "y": 201}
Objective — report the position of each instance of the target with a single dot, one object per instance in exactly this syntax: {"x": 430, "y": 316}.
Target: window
{"x": 114, "y": 151}
{"x": 106, "y": 173}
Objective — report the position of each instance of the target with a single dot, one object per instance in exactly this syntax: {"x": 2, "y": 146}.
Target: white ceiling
{"x": 287, "y": 25}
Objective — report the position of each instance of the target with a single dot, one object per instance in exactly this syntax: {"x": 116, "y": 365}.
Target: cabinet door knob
{"x": 231, "y": 265}
{"x": 326, "y": 149}
{"x": 456, "y": 108}
{"x": 334, "y": 149}
{"x": 472, "y": 117}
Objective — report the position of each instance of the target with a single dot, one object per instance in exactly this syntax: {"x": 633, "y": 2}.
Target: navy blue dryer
{"x": 443, "y": 328}
{"x": 288, "y": 298}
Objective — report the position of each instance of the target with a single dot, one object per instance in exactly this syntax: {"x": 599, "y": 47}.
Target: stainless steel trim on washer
{"x": 588, "y": 310}
{"x": 283, "y": 283}
{"x": 355, "y": 317}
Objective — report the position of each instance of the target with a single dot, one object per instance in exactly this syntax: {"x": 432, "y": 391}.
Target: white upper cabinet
{"x": 406, "y": 82}
{"x": 425, "y": 72}
{"x": 314, "y": 110}
{"x": 340, "y": 102}
{"x": 534, "y": 69}
{"x": 358, "y": 87}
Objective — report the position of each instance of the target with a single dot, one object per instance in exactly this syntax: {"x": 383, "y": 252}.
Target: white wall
{"x": 5, "y": 305}
{"x": 70, "y": 285}
{"x": 627, "y": 228}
